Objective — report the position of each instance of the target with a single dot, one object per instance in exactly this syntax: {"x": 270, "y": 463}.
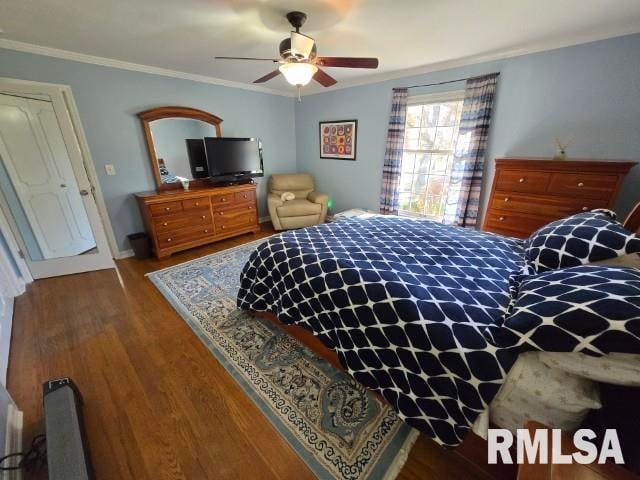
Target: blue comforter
{"x": 404, "y": 303}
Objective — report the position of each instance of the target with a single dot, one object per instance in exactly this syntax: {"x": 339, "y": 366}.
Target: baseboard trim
{"x": 125, "y": 254}
{"x": 13, "y": 440}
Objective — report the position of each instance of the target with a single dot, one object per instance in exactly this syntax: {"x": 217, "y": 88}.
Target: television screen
{"x": 197, "y": 158}
{"x": 233, "y": 156}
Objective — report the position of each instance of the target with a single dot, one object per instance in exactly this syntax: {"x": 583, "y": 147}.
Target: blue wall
{"x": 108, "y": 100}
{"x": 590, "y": 92}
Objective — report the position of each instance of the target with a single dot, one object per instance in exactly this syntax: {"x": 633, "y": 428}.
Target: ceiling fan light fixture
{"x": 298, "y": 73}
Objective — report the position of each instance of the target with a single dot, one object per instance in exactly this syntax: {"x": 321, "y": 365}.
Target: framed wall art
{"x": 338, "y": 139}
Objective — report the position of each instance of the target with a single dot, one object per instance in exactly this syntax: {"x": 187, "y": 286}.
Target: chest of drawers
{"x": 177, "y": 220}
{"x": 529, "y": 193}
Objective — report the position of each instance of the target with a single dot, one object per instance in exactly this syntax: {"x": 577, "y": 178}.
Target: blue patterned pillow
{"x": 577, "y": 240}
{"x": 591, "y": 309}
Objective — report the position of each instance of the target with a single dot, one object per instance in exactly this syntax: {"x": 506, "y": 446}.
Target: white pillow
{"x": 616, "y": 368}
{"x": 287, "y": 196}
{"x": 534, "y": 391}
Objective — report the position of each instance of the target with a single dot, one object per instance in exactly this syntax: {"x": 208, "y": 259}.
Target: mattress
{"x": 416, "y": 311}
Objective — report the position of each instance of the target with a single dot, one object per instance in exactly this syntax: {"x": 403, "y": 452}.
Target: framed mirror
{"x": 175, "y": 142}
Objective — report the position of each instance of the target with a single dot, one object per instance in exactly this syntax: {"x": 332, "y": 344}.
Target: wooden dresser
{"x": 529, "y": 193}
{"x": 177, "y": 220}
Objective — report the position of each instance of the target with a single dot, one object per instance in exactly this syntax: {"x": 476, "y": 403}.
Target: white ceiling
{"x": 185, "y": 35}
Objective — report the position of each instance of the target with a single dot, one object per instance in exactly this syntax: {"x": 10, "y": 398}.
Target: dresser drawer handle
{"x": 197, "y": 204}
{"x": 206, "y": 231}
{"x": 222, "y": 227}
{"x": 221, "y": 213}
{"x": 164, "y": 224}
{"x": 204, "y": 216}
{"x": 244, "y": 196}
{"x": 169, "y": 239}
{"x": 584, "y": 209}
{"x": 501, "y": 219}
{"x": 522, "y": 179}
{"x": 580, "y": 184}
{"x": 250, "y": 207}
{"x": 506, "y": 199}
{"x": 166, "y": 209}
{"x": 223, "y": 199}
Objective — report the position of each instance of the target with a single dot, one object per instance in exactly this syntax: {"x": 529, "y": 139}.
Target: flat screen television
{"x": 233, "y": 158}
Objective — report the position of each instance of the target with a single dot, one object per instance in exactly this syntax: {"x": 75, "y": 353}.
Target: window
{"x": 431, "y": 131}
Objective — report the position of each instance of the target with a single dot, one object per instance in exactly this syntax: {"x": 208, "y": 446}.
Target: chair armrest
{"x": 322, "y": 199}
{"x": 274, "y": 201}
{"x": 317, "y": 197}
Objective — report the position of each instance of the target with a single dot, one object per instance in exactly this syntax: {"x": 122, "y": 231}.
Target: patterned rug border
{"x": 385, "y": 468}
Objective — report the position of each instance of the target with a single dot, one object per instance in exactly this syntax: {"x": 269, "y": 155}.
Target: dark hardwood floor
{"x": 157, "y": 404}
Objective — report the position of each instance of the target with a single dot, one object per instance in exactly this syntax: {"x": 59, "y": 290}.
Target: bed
{"x": 405, "y": 304}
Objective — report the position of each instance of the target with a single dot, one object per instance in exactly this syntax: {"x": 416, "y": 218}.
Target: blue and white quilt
{"x": 406, "y": 304}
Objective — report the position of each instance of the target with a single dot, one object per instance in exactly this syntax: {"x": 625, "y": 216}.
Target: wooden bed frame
{"x": 632, "y": 222}
{"x": 474, "y": 448}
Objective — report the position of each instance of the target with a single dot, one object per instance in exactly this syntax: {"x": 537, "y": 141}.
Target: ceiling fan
{"x": 299, "y": 62}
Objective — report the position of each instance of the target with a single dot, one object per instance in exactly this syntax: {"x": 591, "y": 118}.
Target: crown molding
{"x": 542, "y": 46}
{"x": 135, "y": 67}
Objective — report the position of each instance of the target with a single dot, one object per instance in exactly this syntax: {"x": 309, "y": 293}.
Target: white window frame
{"x": 429, "y": 99}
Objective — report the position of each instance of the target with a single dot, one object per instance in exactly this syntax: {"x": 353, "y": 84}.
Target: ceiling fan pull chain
{"x": 299, "y": 97}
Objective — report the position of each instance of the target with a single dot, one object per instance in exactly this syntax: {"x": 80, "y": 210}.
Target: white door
{"x": 12, "y": 284}
{"x": 45, "y": 188}
{"x": 37, "y": 163}
{"x": 6, "y": 318}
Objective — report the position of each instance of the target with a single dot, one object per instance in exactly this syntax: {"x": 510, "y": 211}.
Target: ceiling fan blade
{"x": 324, "y": 79}
{"x": 348, "y": 62}
{"x": 301, "y": 45}
{"x": 267, "y": 77}
{"x": 247, "y": 58}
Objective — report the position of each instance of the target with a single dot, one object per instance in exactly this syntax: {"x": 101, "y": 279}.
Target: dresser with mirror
{"x": 187, "y": 210}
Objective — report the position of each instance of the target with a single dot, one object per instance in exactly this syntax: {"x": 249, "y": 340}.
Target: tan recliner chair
{"x": 308, "y": 208}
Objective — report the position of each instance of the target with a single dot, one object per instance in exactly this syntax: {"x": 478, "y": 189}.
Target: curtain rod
{"x": 444, "y": 83}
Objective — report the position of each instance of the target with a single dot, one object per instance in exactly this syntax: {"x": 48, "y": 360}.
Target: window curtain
{"x": 389, "y": 196}
{"x": 468, "y": 161}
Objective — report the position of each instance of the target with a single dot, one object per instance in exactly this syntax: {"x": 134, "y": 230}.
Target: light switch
{"x": 110, "y": 169}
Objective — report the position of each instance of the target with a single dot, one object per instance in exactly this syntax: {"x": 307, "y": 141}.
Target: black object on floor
{"x": 67, "y": 449}
{"x": 140, "y": 244}
{"x": 619, "y": 411}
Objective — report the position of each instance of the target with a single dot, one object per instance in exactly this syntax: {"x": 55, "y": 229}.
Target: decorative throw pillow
{"x": 579, "y": 239}
{"x": 286, "y": 196}
{"x": 591, "y": 309}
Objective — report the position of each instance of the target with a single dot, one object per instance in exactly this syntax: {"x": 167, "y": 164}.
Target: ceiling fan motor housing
{"x": 287, "y": 54}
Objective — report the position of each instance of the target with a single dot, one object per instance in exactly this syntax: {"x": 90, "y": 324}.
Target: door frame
{"x": 19, "y": 282}
{"x": 64, "y": 94}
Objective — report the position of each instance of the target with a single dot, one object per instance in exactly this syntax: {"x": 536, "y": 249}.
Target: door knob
{"x": 84, "y": 193}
